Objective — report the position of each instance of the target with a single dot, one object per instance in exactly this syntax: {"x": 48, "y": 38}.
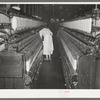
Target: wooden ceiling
{"x": 57, "y": 11}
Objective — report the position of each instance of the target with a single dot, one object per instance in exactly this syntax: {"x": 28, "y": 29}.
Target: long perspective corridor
{"x": 26, "y": 46}
{"x": 51, "y": 73}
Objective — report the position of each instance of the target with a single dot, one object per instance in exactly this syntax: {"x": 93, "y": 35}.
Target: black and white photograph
{"x": 49, "y": 46}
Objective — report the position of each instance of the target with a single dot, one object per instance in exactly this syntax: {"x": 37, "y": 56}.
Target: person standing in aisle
{"x": 48, "y": 47}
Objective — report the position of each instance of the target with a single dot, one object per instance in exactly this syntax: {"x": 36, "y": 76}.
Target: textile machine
{"x": 21, "y": 54}
{"x": 79, "y": 44}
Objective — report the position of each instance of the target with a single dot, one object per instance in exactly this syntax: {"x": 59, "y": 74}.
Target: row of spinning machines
{"x": 79, "y": 42}
{"x": 20, "y": 51}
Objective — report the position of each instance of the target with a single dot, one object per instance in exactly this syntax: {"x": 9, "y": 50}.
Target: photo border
{"x": 49, "y": 94}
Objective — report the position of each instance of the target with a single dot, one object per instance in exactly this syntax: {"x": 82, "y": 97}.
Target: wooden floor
{"x": 51, "y": 73}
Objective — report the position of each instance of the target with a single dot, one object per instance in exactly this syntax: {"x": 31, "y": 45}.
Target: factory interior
{"x": 75, "y": 60}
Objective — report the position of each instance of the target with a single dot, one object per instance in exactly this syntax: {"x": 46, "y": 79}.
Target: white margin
{"x": 49, "y": 93}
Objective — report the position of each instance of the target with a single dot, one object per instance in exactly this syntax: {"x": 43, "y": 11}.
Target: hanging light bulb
{"x": 96, "y": 7}
{"x": 16, "y": 8}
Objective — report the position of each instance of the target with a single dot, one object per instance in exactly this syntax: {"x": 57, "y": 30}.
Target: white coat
{"x": 47, "y": 42}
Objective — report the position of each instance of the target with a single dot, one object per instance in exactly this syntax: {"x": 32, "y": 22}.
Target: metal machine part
{"x": 80, "y": 53}
{"x": 21, "y": 59}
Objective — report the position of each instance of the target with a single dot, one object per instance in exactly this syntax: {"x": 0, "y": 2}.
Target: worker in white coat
{"x": 48, "y": 47}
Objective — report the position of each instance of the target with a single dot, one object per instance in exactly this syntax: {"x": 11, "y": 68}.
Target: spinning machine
{"x": 79, "y": 44}
{"x": 21, "y": 51}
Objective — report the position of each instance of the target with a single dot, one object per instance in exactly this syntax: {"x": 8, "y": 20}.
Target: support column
{"x": 24, "y": 8}
{"x": 29, "y": 8}
{"x": 7, "y": 7}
